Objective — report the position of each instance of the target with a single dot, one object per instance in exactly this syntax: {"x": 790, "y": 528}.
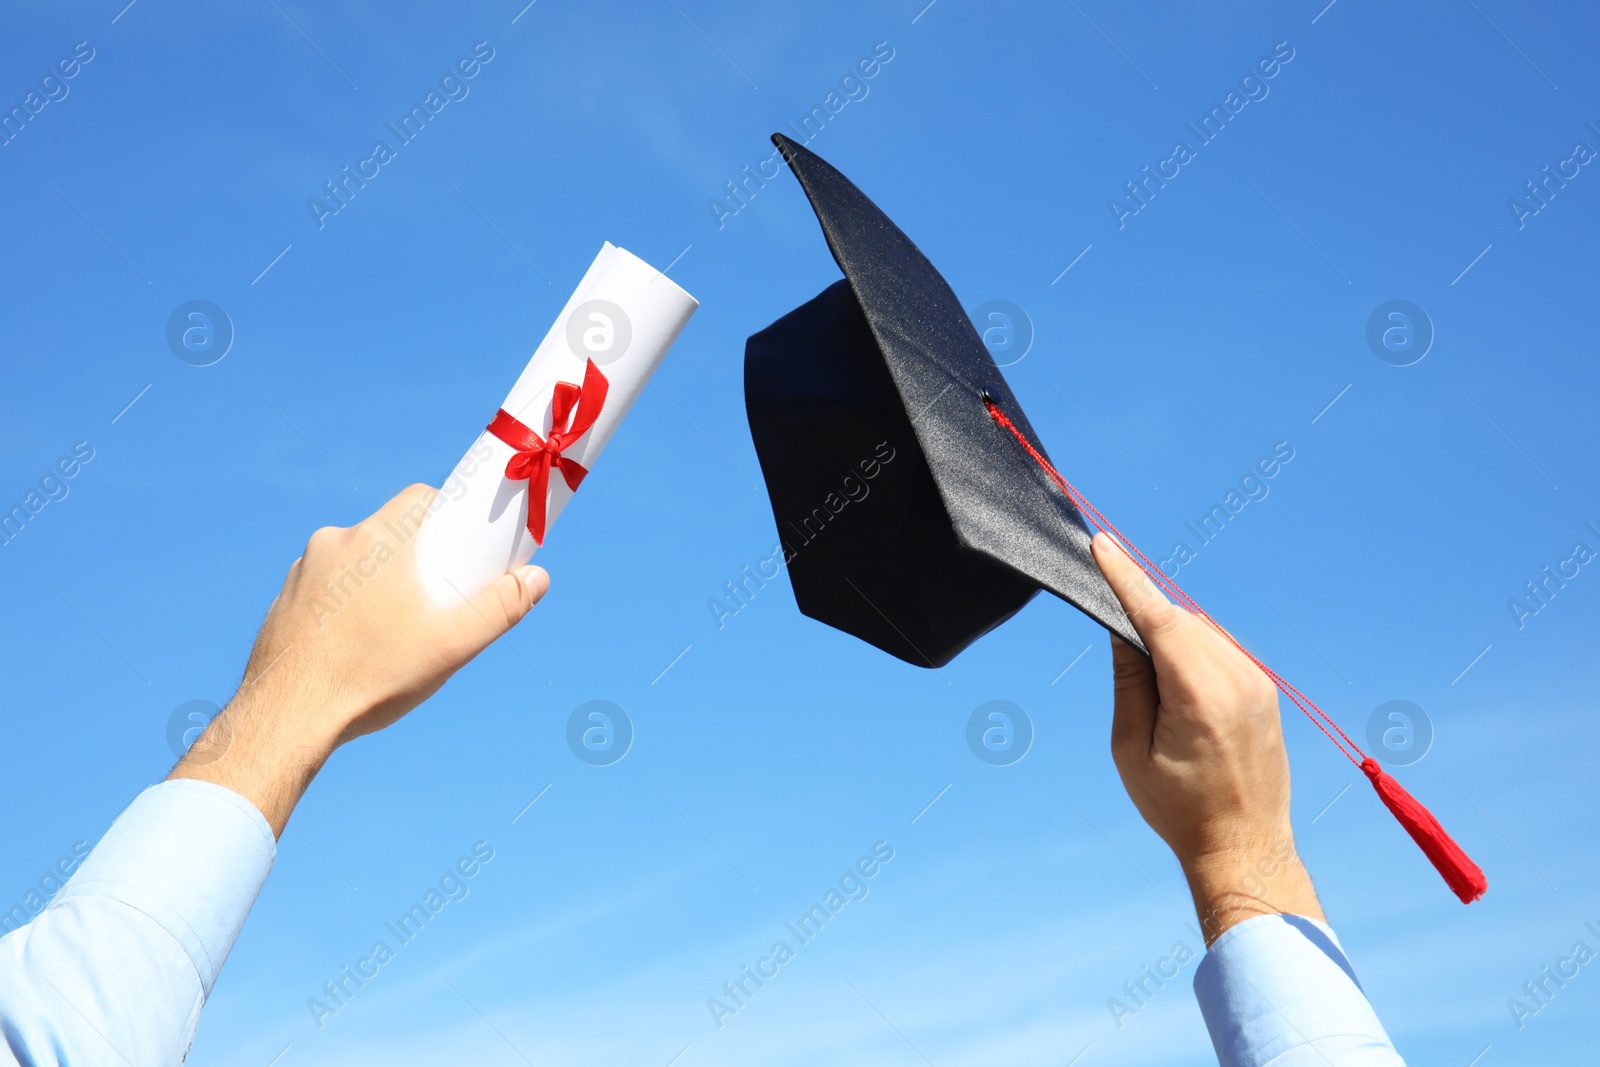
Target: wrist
{"x": 1240, "y": 882}
{"x": 285, "y": 721}
{"x": 265, "y": 748}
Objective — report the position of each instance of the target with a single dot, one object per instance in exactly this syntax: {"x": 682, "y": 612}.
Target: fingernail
{"x": 535, "y": 579}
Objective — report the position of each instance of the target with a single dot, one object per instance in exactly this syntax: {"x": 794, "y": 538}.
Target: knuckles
{"x": 412, "y": 495}
{"x": 1263, "y": 690}
{"x": 1158, "y": 615}
{"x": 323, "y": 540}
{"x": 406, "y": 506}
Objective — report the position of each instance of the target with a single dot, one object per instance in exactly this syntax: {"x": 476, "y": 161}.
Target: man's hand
{"x": 1197, "y": 739}
{"x": 349, "y": 646}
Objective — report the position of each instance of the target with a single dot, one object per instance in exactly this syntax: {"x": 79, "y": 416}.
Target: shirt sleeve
{"x": 1277, "y": 989}
{"x": 116, "y": 969}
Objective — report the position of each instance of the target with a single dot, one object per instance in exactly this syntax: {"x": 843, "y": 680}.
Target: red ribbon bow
{"x": 573, "y": 409}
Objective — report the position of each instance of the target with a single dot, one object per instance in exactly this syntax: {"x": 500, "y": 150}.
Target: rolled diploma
{"x": 624, "y": 315}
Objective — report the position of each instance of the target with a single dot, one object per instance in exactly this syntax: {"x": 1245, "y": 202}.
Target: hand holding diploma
{"x": 440, "y": 594}
{"x": 316, "y": 679}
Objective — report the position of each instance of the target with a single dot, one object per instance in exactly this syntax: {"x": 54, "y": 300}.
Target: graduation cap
{"x": 917, "y": 507}
{"x": 959, "y": 527}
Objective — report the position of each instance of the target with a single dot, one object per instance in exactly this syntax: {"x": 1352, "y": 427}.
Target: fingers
{"x": 1133, "y": 720}
{"x": 1159, "y": 624}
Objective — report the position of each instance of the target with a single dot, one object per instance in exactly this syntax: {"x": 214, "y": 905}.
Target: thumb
{"x": 507, "y": 599}
{"x": 1161, "y": 626}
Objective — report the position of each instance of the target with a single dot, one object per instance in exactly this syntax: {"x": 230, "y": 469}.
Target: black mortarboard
{"x": 911, "y": 518}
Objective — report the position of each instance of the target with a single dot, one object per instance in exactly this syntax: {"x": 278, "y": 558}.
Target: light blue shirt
{"x": 117, "y": 968}
{"x": 1277, "y": 989}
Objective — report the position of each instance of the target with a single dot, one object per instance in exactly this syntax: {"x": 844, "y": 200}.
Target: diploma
{"x": 494, "y": 510}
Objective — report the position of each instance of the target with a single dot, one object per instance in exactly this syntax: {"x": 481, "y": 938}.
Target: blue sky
{"x": 1228, "y": 314}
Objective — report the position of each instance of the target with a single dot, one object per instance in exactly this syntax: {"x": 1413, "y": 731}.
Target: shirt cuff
{"x": 1278, "y": 989}
{"x": 192, "y": 856}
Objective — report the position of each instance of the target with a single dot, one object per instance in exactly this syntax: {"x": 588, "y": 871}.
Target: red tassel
{"x": 1465, "y": 878}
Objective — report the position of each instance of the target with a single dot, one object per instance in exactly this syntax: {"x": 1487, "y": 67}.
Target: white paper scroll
{"x": 624, "y": 315}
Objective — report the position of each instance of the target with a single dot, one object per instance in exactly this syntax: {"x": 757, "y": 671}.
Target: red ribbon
{"x": 573, "y": 409}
